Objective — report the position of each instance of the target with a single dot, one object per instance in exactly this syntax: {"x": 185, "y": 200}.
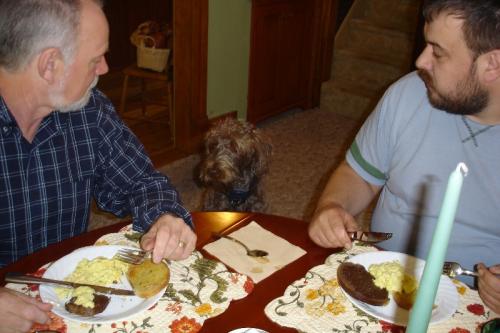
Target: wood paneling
{"x": 190, "y": 72}
{"x": 290, "y": 43}
{"x": 330, "y": 16}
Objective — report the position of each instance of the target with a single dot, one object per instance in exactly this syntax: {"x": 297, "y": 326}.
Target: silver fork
{"x": 453, "y": 269}
{"x": 132, "y": 256}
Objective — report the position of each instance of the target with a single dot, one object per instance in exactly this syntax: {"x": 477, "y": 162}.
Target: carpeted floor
{"x": 307, "y": 145}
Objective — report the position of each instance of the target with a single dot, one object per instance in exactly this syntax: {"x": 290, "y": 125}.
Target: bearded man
{"x": 62, "y": 145}
{"x": 426, "y": 123}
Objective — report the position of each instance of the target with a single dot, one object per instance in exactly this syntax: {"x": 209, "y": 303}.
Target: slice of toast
{"x": 148, "y": 278}
{"x": 358, "y": 283}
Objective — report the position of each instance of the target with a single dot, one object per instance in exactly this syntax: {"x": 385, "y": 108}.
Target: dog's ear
{"x": 197, "y": 174}
{"x": 197, "y": 170}
{"x": 262, "y": 153}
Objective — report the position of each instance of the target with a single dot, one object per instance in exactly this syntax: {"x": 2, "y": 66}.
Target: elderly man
{"x": 62, "y": 144}
{"x": 426, "y": 123}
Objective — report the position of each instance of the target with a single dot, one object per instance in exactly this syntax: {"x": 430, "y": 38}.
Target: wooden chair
{"x": 146, "y": 75}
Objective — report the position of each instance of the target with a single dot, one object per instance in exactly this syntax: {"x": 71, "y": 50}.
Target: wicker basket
{"x": 151, "y": 57}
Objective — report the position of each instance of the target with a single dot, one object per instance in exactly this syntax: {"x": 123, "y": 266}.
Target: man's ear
{"x": 491, "y": 71}
{"x": 50, "y": 64}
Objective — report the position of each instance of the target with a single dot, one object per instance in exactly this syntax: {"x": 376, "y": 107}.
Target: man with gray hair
{"x": 62, "y": 145}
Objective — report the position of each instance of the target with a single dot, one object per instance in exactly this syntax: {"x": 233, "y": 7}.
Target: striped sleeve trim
{"x": 370, "y": 169}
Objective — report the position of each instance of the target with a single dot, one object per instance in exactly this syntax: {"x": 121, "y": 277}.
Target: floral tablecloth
{"x": 199, "y": 289}
{"x": 315, "y": 303}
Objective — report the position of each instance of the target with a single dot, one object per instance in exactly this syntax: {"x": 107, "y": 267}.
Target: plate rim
{"x": 61, "y": 312}
{"x": 444, "y": 282}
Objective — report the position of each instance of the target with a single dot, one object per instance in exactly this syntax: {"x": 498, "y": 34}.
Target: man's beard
{"x": 468, "y": 97}
{"x": 58, "y": 98}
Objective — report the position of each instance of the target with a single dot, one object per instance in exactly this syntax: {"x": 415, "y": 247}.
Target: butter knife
{"x": 14, "y": 277}
{"x": 369, "y": 236}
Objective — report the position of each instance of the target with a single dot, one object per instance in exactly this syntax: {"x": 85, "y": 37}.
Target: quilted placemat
{"x": 199, "y": 289}
{"x": 316, "y": 303}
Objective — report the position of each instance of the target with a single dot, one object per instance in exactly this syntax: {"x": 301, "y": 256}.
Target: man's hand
{"x": 169, "y": 237}
{"x": 19, "y": 312}
{"x": 329, "y": 226}
{"x": 345, "y": 194}
{"x": 489, "y": 286}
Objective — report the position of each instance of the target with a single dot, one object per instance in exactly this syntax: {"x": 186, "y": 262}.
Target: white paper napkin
{"x": 281, "y": 252}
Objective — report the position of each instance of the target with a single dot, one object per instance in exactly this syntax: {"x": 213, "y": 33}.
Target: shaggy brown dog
{"x": 236, "y": 156}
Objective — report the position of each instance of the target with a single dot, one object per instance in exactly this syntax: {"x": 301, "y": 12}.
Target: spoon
{"x": 251, "y": 253}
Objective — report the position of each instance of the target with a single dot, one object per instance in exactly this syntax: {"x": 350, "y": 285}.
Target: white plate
{"x": 119, "y": 307}
{"x": 446, "y": 297}
{"x": 248, "y": 330}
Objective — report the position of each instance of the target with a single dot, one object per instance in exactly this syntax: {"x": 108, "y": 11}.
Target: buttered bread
{"x": 148, "y": 278}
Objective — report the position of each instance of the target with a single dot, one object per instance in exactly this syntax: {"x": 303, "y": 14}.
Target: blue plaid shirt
{"x": 46, "y": 186}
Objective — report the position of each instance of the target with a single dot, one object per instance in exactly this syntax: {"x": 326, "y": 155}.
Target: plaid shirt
{"x": 46, "y": 186}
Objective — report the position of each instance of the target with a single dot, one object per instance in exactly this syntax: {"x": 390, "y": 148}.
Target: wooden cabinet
{"x": 283, "y": 56}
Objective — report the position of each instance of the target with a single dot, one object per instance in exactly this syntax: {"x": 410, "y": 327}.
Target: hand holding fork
{"x": 132, "y": 256}
{"x": 453, "y": 269}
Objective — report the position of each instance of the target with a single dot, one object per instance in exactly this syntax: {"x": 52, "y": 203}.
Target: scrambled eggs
{"x": 98, "y": 271}
{"x": 391, "y": 275}
{"x": 84, "y": 296}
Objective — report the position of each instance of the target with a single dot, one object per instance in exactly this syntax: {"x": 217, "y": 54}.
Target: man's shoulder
{"x": 99, "y": 108}
{"x": 98, "y": 115}
{"x": 100, "y": 102}
{"x": 406, "y": 97}
{"x": 409, "y": 86}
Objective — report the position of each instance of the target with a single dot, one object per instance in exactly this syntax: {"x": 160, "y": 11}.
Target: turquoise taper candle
{"x": 420, "y": 314}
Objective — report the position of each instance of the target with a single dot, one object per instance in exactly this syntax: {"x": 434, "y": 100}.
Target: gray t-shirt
{"x": 411, "y": 148}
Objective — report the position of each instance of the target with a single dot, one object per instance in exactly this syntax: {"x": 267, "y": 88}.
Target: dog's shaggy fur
{"x": 236, "y": 157}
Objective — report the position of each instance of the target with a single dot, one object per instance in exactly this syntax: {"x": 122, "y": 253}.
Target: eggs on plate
{"x": 392, "y": 276}
{"x": 98, "y": 271}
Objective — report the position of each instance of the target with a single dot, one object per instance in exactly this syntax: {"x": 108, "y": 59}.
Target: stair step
{"x": 373, "y": 48}
{"x": 365, "y": 75}
{"x": 364, "y": 37}
{"x": 350, "y": 88}
{"x": 401, "y": 14}
{"x": 372, "y": 27}
{"x": 388, "y": 59}
{"x": 340, "y": 101}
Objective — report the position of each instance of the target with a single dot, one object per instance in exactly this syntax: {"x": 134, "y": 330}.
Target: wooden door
{"x": 283, "y": 51}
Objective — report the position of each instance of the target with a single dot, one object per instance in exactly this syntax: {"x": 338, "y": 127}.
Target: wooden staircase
{"x": 374, "y": 46}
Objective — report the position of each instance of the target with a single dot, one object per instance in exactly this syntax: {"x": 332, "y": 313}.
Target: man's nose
{"x": 102, "y": 67}
{"x": 424, "y": 59}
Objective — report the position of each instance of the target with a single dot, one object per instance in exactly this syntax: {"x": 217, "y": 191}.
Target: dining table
{"x": 249, "y": 311}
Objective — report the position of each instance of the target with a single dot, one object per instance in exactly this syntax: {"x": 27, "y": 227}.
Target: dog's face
{"x": 234, "y": 153}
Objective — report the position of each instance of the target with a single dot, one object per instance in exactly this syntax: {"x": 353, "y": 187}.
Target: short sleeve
{"x": 372, "y": 150}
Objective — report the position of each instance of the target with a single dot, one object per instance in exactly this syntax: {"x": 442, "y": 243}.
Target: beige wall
{"x": 228, "y": 57}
